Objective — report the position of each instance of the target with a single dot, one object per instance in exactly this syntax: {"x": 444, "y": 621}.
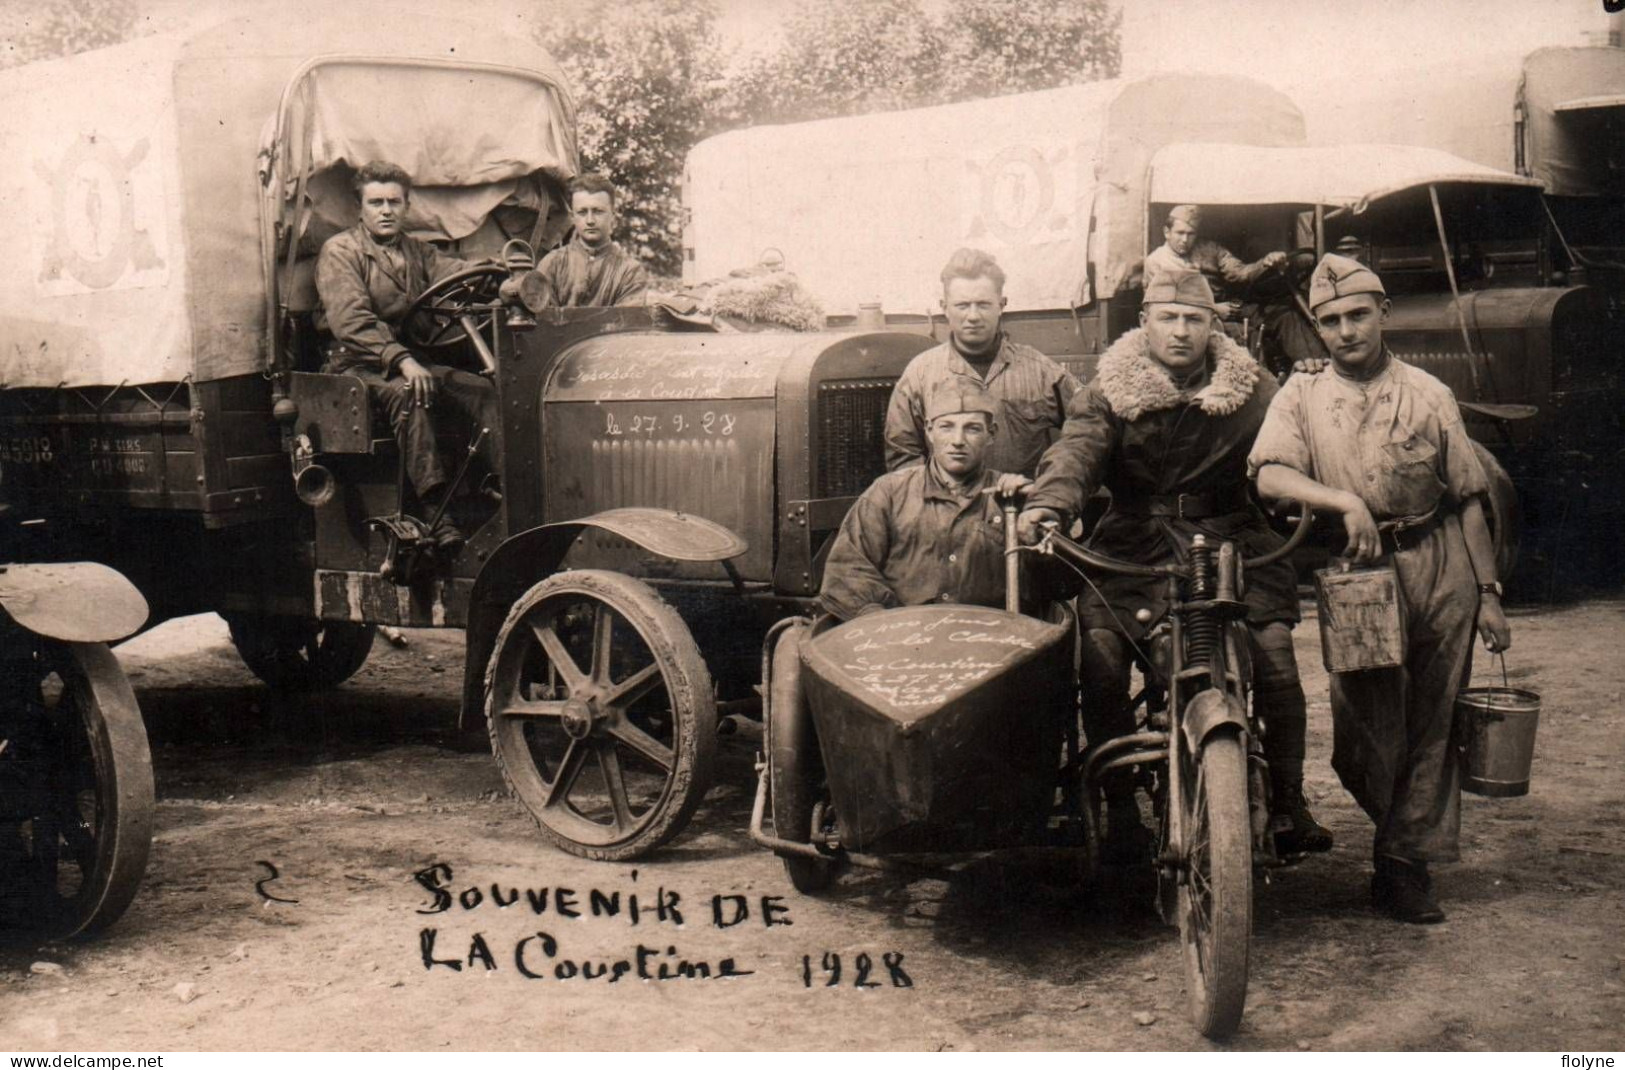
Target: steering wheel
{"x": 458, "y": 307}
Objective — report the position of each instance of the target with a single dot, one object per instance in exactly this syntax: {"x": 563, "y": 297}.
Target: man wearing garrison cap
{"x": 1184, "y": 250}
{"x": 1382, "y": 444}
{"x": 931, "y": 532}
{"x": 1166, "y": 425}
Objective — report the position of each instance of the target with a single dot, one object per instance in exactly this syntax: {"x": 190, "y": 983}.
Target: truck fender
{"x": 1207, "y": 713}
{"x": 77, "y": 602}
{"x": 531, "y": 556}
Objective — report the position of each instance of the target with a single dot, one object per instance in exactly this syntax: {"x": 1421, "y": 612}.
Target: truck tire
{"x": 294, "y": 654}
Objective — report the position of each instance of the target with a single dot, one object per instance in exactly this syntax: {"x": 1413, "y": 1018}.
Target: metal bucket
{"x": 1497, "y": 726}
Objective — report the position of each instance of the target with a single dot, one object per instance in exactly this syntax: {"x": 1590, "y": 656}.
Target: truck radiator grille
{"x": 713, "y": 478}
{"x": 1455, "y": 367}
{"x": 851, "y": 426}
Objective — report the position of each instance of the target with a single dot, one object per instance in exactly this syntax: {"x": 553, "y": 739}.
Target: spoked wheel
{"x": 76, "y": 796}
{"x": 295, "y": 654}
{"x": 794, "y": 766}
{"x": 1216, "y": 898}
{"x": 601, "y": 714}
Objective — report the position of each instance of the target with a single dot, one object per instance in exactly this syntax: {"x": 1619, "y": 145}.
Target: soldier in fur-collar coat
{"x": 1166, "y": 426}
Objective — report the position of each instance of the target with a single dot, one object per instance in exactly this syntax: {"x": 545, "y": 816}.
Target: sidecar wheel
{"x": 601, "y": 714}
{"x": 795, "y": 768}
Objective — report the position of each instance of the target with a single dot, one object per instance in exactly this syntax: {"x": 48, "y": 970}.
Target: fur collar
{"x": 1134, "y": 384}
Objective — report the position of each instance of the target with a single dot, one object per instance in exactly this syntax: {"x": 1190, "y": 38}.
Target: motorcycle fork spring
{"x": 1203, "y": 629}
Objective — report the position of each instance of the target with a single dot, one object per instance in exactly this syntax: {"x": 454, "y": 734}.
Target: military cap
{"x": 1190, "y": 213}
{"x": 1179, "y": 288}
{"x": 951, "y": 398}
{"x": 1338, "y": 276}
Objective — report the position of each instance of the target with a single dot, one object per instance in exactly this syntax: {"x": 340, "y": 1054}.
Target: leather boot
{"x": 1295, "y": 829}
{"x": 1399, "y": 889}
{"x": 448, "y": 537}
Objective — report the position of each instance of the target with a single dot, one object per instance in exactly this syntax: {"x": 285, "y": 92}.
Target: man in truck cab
{"x": 1165, "y": 425}
{"x": 592, "y": 269}
{"x": 1183, "y": 249}
{"x": 367, "y": 277}
{"x": 1031, "y": 390}
{"x": 934, "y": 531}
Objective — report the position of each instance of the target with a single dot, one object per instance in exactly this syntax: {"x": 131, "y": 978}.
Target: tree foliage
{"x": 843, "y": 57}
{"x": 652, "y": 80}
{"x": 63, "y": 27}
{"x": 848, "y": 57}
{"x": 994, "y": 47}
{"x": 648, "y": 85}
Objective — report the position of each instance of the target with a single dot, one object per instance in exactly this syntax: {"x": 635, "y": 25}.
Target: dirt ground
{"x": 352, "y": 793}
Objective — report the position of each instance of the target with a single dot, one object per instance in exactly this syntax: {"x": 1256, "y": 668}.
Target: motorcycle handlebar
{"x": 1080, "y": 555}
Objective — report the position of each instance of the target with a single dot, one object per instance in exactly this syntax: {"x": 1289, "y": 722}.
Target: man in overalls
{"x": 1030, "y": 389}
{"x": 1382, "y": 444}
{"x": 930, "y": 532}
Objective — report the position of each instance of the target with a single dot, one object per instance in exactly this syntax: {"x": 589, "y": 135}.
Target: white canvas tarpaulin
{"x": 131, "y": 185}
{"x": 1344, "y": 176}
{"x": 419, "y": 118}
{"x": 869, "y": 208}
{"x": 93, "y": 286}
{"x": 1575, "y": 102}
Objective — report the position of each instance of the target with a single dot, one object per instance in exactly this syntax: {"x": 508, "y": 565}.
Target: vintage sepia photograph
{"x": 839, "y": 525}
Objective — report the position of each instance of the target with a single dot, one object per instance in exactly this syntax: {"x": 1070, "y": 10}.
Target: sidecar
{"x": 939, "y": 728}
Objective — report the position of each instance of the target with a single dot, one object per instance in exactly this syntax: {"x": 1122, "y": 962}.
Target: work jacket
{"x": 365, "y": 296}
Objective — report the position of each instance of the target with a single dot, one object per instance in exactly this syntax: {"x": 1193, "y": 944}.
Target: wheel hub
{"x": 579, "y": 716}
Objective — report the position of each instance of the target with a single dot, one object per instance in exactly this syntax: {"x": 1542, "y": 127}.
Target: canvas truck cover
{"x": 1341, "y": 176}
{"x": 1574, "y": 100}
{"x": 1470, "y": 107}
{"x": 133, "y": 183}
{"x": 868, "y": 208}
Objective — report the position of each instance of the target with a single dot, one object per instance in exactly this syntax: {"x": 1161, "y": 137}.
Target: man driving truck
{"x": 1184, "y": 249}
{"x": 368, "y": 277}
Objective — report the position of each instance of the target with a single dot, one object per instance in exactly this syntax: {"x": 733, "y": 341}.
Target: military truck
{"x": 1069, "y": 188}
{"x": 165, "y": 411}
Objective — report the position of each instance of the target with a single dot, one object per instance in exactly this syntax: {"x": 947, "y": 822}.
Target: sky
{"x": 1280, "y": 41}
{"x": 1297, "y": 41}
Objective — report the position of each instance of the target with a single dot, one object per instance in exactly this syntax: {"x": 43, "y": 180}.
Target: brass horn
{"x": 315, "y": 485}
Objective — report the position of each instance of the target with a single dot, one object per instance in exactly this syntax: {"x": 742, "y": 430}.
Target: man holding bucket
{"x": 1382, "y": 444}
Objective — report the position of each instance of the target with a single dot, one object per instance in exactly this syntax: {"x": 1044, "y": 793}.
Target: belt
{"x": 1407, "y": 532}
{"x": 1199, "y": 506}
